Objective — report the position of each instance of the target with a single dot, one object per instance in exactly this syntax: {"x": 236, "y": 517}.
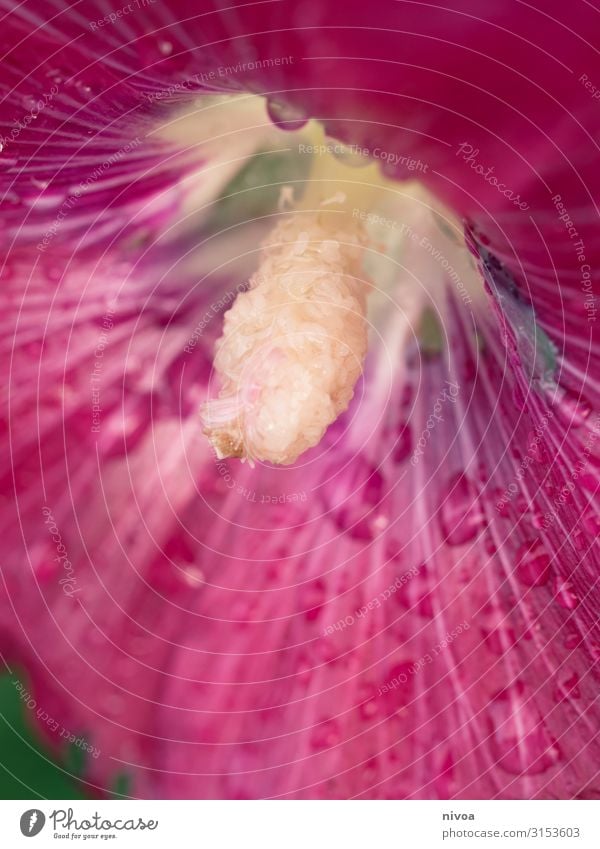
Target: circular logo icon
{"x": 32, "y": 822}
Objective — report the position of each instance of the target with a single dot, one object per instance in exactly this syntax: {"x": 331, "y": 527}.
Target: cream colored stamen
{"x": 293, "y": 345}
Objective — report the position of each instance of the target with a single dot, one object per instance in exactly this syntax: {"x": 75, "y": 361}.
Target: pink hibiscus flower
{"x": 410, "y": 608}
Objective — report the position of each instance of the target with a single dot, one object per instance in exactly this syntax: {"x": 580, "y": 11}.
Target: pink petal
{"x": 359, "y": 625}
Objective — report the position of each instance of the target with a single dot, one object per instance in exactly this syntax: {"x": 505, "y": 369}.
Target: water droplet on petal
{"x": 124, "y": 429}
{"x": 537, "y": 520}
{"x": 590, "y": 482}
{"x": 397, "y": 688}
{"x": 573, "y": 641}
{"x": 45, "y": 562}
{"x": 165, "y": 47}
{"x": 286, "y": 116}
{"x": 572, "y": 408}
{"x": 39, "y": 184}
{"x": 314, "y": 599}
{"x": 500, "y": 639}
{"x": 84, "y": 88}
{"x": 533, "y": 563}
{"x": 325, "y": 735}
{"x": 394, "y": 549}
{"x": 591, "y": 522}
{"x": 360, "y": 514}
{"x": 192, "y": 575}
{"x": 564, "y": 594}
{"x": 8, "y": 162}
{"x": 568, "y": 688}
{"x": 537, "y": 449}
{"x": 45, "y": 200}
{"x": 403, "y": 445}
{"x": 461, "y": 512}
{"x": 30, "y": 102}
{"x": 521, "y": 742}
{"x": 368, "y": 706}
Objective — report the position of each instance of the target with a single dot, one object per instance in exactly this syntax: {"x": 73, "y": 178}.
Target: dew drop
{"x": 45, "y": 564}
{"x": 84, "y": 88}
{"x": 30, "y": 102}
{"x": 403, "y": 445}
{"x": 394, "y": 550}
{"x": 579, "y": 541}
{"x": 521, "y": 742}
{"x": 536, "y": 448}
{"x": 166, "y": 48}
{"x": 573, "y": 641}
{"x": 567, "y": 688}
{"x": 39, "y": 184}
{"x": 564, "y": 594}
{"x": 8, "y": 161}
{"x": 533, "y": 563}
{"x": 124, "y": 429}
{"x": 286, "y": 116}
{"x": 361, "y": 515}
{"x": 397, "y": 688}
{"x": 537, "y": 520}
{"x": 461, "y": 513}
{"x": 572, "y": 408}
{"x": 500, "y": 639}
{"x": 591, "y": 522}
{"x": 594, "y": 651}
{"x": 192, "y": 575}
{"x": 590, "y": 482}
{"x": 325, "y": 735}
{"x": 368, "y": 706}
{"x": 314, "y": 600}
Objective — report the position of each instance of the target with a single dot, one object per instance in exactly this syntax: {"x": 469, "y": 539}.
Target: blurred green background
{"x": 26, "y": 770}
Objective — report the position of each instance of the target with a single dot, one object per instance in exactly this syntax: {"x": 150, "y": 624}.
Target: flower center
{"x": 294, "y": 343}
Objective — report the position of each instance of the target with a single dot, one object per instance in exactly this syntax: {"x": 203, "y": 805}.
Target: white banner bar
{"x": 302, "y": 825}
